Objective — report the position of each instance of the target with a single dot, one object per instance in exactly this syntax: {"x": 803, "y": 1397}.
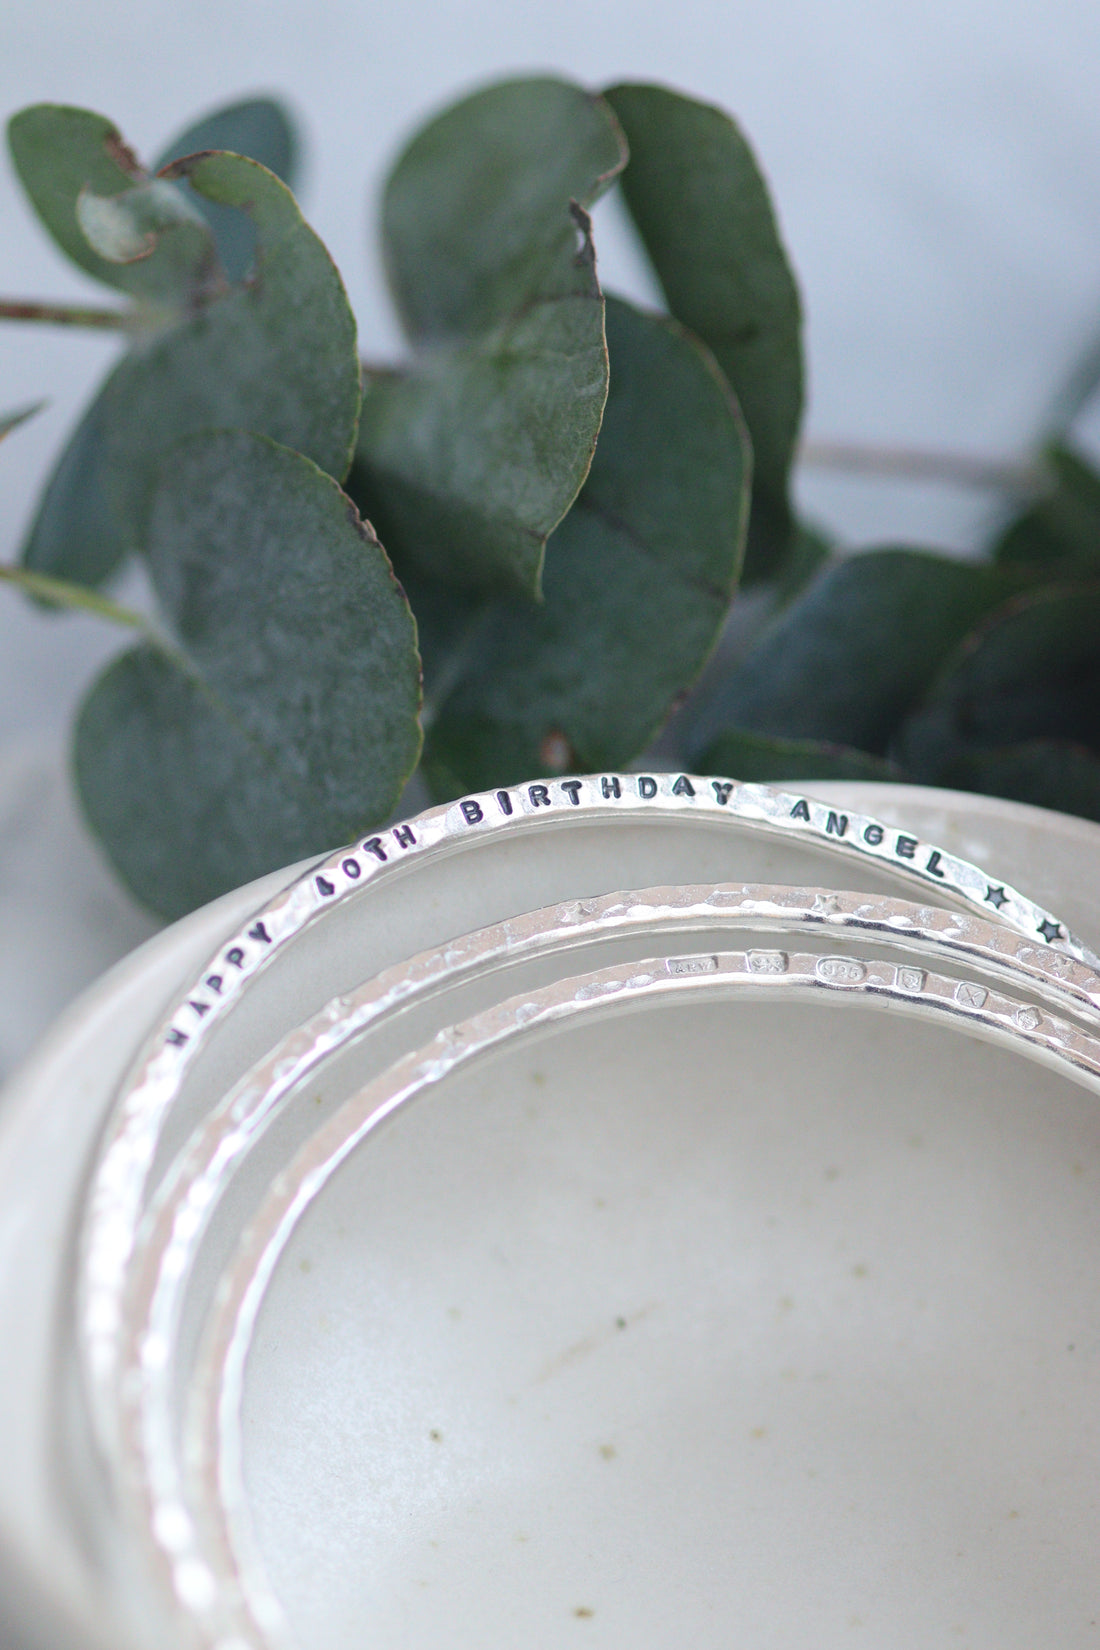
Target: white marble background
{"x": 937, "y": 171}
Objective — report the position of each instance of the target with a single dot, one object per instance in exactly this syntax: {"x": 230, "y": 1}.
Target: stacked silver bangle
{"x": 445, "y": 957}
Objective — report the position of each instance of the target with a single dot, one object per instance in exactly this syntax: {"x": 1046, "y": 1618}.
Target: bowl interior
{"x": 713, "y": 1324}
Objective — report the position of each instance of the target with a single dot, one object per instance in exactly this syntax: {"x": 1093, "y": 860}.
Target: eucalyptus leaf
{"x": 1030, "y": 672}
{"x": 763, "y": 759}
{"x": 701, "y": 205}
{"x": 277, "y": 355}
{"x": 65, "y": 157}
{"x": 475, "y": 216}
{"x": 638, "y": 581}
{"x": 808, "y": 553}
{"x": 286, "y": 720}
{"x": 847, "y": 660}
{"x": 258, "y": 127}
{"x": 1060, "y": 532}
{"x": 473, "y": 456}
{"x": 75, "y": 533}
{"x": 127, "y": 228}
{"x": 1049, "y": 773}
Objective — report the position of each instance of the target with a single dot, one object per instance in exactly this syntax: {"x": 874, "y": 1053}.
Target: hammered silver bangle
{"x": 163, "y": 1247}
{"x": 133, "y": 1129}
{"x": 195, "y": 1505}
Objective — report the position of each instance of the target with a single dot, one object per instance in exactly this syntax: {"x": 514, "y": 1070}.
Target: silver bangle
{"x": 163, "y": 1249}
{"x": 134, "y": 1128}
{"x": 253, "y": 1102}
{"x": 197, "y": 1511}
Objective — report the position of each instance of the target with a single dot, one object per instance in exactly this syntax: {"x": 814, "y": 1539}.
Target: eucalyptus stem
{"x": 66, "y": 315}
{"x": 64, "y": 593}
{"x": 11, "y": 421}
{"x": 921, "y": 464}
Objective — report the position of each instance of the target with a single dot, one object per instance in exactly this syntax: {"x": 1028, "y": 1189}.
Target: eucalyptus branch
{"x": 220, "y": 456}
{"x": 99, "y": 318}
{"x": 1019, "y": 476}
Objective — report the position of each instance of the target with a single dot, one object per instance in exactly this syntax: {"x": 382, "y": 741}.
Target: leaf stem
{"x": 63, "y": 593}
{"x": 11, "y": 421}
{"x": 919, "y": 464}
{"x": 66, "y": 315}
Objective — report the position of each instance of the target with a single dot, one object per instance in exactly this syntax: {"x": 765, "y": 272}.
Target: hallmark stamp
{"x": 840, "y": 970}
{"x": 1028, "y": 1019}
{"x": 970, "y": 995}
{"x": 767, "y": 962}
{"x": 909, "y": 979}
{"x": 692, "y": 965}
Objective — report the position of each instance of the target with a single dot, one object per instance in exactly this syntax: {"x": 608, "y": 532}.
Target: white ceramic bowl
{"x": 423, "y": 882}
{"x": 53, "y": 1111}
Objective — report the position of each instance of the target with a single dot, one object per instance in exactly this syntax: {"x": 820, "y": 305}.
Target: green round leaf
{"x": 286, "y": 720}
{"x": 475, "y": 216}
{"x": 473, "y": 456}
{"x": 473, "y": 459}
{"x": 75, "y": 533}
{"x": 277, "y": 355}
{"x": 1030, "y": 673}
{"x": 258, "y": 127}
{"x": 699, "y": 199}
{"x": 847, "y": 660}
{"x": 73, "y": 165}
{"x": 638, "y": 581}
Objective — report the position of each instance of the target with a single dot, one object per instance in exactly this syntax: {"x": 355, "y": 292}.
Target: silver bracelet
{"x": 303, "y": 1054}
{"x": 196, "y": 1508}
{"x": 162, "y": 1251}
{"x": 134, "y": 1128}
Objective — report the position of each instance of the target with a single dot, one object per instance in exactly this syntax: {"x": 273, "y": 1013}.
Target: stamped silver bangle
{"x": 172, "y": 1230}
{"x": 198, "y": 1508}
{"x": 231, "y": 1128}
{"x": 164, "y": 1251}
{"x": 134, "y": 1129}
